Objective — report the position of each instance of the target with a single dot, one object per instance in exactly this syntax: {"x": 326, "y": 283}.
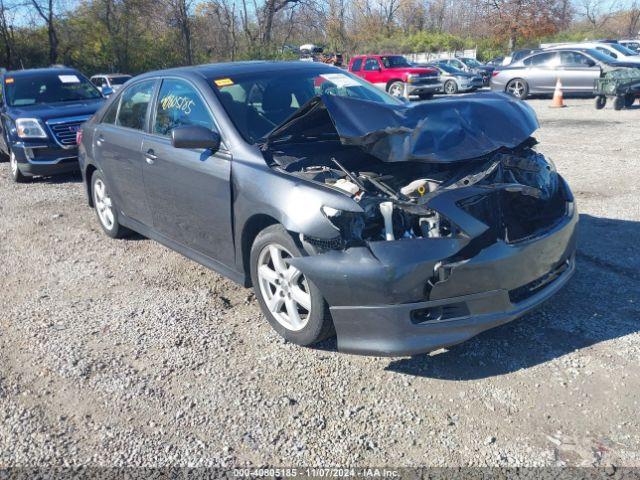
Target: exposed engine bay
{"x": 515, "y": 192}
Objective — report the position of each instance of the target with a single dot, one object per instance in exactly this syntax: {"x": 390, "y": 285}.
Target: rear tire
{"x": 292, "y": 304}
{"x": 106, "y": 209}
{"x": 518, "y": 88}
{"x": 450, "y": 87}
{"x": 601, "y": 102}
{"x": 14, "y": 170}
{"x": 618, "y": 102}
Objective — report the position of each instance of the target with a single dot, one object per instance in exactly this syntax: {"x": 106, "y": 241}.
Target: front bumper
{"x": 423, "y": 89}
{"x": 381, "y": 305}
{"x": 45, "y": 159}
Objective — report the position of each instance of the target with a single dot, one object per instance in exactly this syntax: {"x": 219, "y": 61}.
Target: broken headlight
{"x": 350, "y": 224}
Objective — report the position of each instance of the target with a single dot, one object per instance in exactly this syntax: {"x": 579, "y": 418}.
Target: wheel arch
{"x": 88, "y": 176}
{"x": 252, "y": 227}
{"x": 393, "y": 80}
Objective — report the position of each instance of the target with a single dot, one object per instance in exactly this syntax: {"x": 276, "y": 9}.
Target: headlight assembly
{"x": 30, "y": 128}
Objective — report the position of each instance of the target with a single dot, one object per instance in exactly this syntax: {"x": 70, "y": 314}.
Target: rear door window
{"x": 371, "y": 64}
{"x": 134, "y": 104}
{"x": 179, "y": 104}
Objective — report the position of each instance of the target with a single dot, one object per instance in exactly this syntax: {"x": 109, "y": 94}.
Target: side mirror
{"x": 106, "y": 91}
{"x": 195, "y": 136}
{"x": 379, "y": 69}
{"x": 591, "y": 63}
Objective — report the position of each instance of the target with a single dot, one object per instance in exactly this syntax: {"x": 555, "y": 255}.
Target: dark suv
{"x": 41, "y": 111}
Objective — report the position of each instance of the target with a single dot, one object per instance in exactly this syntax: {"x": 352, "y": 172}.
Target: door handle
{"x": 150, "y": 156}
{"x": 100, "y": 140}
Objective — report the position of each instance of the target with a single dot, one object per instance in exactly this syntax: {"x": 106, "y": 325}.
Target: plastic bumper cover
{"x": 45, "y": 159}
{"x": 381, "y": 304}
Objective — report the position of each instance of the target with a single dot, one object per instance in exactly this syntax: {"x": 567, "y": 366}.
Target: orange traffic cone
{"x": 558, "y": 101}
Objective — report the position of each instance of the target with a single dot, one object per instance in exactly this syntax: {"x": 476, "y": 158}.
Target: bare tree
{"x": 633, "y": 19}
{"x": 7, "y": 34}
{"x": 597, "y": 12}
{"x": 45, "y": 10}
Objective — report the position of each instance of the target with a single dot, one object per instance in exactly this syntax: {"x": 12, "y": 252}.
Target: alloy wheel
{"x": 396, "y": 90}
{"x": 284, "y": 288}
{"x": 450, "y": 87}
{"x": 103, "y": 204}
{"x": 516, "y": 88}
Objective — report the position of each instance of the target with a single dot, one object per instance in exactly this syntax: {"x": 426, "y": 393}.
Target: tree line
{"x": 132, "y": 36}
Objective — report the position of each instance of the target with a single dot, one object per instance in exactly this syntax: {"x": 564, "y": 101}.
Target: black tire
{"x": 14, "y": 170}
{"x": 113, "y": 230}
{"x": 426, "y": 96}
{"x": 318, "y": 324}
{"x": 450, "y": 87}
{"x": 518, "y": 87}
{"x": 601, "y": 102}
{"x": 629, "y": 99}
{"x": 618, "y": 102}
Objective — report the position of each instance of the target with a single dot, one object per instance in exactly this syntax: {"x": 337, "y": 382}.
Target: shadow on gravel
{"x": 59, "y": 179}
{"x": 601, "y": 302}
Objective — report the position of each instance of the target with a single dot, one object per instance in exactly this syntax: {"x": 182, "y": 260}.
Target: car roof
{"x": 230, "y": 69}
{"x": 39, "y": 71}
{"x": 111, "y": 75}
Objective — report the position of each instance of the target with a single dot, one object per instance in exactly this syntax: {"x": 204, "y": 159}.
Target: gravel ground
{"x": 123, "y": 353}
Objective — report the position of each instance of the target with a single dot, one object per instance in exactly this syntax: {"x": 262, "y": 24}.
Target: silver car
{"x": 576, "y": 68}
{"x": 454, "y": 80}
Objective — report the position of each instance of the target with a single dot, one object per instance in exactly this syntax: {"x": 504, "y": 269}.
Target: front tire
{"x": 518, "y": 88}
{"x": 106, "y": 210}
{"x": 14, "y": 170}
{"x": 450, "y": 87}
{"x": 293, "y": 305}
{"x": 628, "y": 100}
{"x": 396, "y": 89}
{"x": 601, "y": 102}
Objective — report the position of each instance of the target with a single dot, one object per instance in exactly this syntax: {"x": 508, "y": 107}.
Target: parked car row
{"x": 324, "y": 193}
{"x": 577, "y": 68}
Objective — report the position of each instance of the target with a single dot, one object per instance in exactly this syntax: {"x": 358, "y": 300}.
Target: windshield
{"x": 258, "y": 103}
{"x": 472, "y": 62}
{"x": 450, "y": 69}
{"x": 601, "y": 57}
{"x": 118, "y": 80}
{"x": 48, "y": 88}
{"x": 622, "y": 49}
{"x": 395, "y": 61}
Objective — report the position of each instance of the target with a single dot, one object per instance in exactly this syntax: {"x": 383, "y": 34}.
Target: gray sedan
{"x": 577, "y": 69}
{"x": 454, "y": 80}
{"x": 332, "y": 200}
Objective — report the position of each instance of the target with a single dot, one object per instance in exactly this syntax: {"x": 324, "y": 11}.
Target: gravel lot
{"x": 123, "y": 353}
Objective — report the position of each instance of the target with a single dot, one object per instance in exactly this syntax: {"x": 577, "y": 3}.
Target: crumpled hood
{"x": 442, "y": 131}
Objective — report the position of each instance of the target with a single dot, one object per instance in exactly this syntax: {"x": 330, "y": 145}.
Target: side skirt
{"x": 191, "y": 254}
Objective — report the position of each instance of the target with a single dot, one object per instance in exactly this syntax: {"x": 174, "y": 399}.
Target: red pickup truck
{"x": 395, "y": 75}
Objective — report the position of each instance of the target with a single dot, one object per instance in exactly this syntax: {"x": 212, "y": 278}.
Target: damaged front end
{"x": 437, "y": 233}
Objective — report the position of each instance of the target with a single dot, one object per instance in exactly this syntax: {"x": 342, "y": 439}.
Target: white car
{"x": 633, "y": 45}
{"x": 618, "y": 52}
{"x": 109, "y": 80}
